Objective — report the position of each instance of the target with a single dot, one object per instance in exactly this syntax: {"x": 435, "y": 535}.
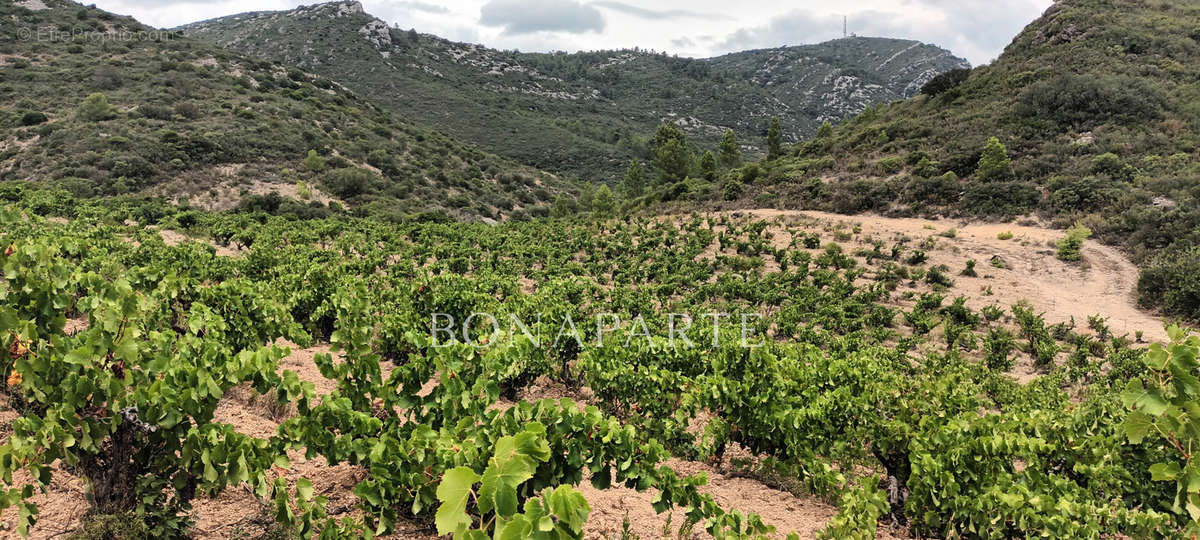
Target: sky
{"x": 977, "y": 30}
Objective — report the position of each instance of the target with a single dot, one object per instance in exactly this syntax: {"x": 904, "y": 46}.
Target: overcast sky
{"x": 975, "y": 29}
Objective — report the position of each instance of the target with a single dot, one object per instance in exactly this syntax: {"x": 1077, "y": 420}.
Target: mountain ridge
{"x": 177, "y": 118}
{"x": 584, "y": 113}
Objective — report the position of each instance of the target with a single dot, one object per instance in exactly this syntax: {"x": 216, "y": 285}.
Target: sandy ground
{"x": 1104, "y": 284}
{"x": 174, "y": 238}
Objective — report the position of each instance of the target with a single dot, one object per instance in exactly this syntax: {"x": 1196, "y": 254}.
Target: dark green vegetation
{"x": 901, "y": 411}
{"x": 585, "y": 114}
{"x": 1096, "y": 111}
{"x": 183, "y": 119}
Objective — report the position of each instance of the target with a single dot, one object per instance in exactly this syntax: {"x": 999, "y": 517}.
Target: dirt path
{"x": 1103, "y": 285}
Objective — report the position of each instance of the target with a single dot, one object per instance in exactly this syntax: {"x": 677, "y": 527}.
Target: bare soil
{"x": 1104, "y": 283}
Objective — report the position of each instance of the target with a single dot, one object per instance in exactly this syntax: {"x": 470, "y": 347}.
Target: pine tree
{"x": 774, "y": 140}
{"x": 672, "y": 159}
{"x": 825, "y": 131}
{"x": 603, "y": 202}
{"x": 708, "y": 166}
{"x": 561, "y": 207}
{"x": 994, "y": 164}
{"x": 96, "y": 108}
{"x": 313, "y": 162}
{"x": 731, "y": 153}
{"x": 586, "y": 196}
{"x": 635, "y": 180}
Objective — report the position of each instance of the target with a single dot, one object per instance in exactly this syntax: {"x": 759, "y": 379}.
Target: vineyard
{"x": 852, "y": 365}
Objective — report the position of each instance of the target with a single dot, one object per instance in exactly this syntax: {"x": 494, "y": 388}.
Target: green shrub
{"x": 95, "y": 108}
{"x": 1172, "y": 282}
{"x": 940, "y": 190}
{"x": 1082, "y": 194}
{"x": 946, "y": 81}
{"x": 33, "y": 118}
{"x": 313, "y": 162}
{"x": 732, "y": 190}
{"x": 350, "y": 182}
{"x": 1001, "y": 198}
{"x": 994, "y": 163}
{"x": 890, "y": 165}
{"x": 1084, "y": 101}
{"x": 1006, "y": 235}
{"x": 1070, "y": 247}
{"x": 1111, "y": 164}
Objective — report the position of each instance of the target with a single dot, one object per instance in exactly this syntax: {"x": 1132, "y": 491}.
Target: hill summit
{"x": 586, "y": 113}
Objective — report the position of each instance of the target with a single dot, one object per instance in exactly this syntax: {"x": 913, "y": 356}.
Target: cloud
{"x": 414, "y": 5}
{"x": 530, "y": 16}
{"x": 683, "y": 42}
{"x": 645, "y": 13}
{"x": 975, "y": 30}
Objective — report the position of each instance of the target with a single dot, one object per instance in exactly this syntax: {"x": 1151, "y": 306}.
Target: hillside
{"x": 126, "y": 109}
{"x": 586, "y": 113}
{"x": 1095, "y": 108}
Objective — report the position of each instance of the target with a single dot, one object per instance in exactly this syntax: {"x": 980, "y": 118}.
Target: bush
{"x": 313, "y": 162}
{"x": 1070, "y": 247}
{"x": 941, "y": 190}
{"x": 1001, "y": 198}
{"x": 33, "y": 118}
{"x": 1172, "y": 281}
{"x": 890, "y": 165}
{"x": 1111, "y": 164}
{"x": 1082, "y": 195}
{"x": 96, "y": 108}
{"x": 350, "y": 182}
{"x": 732, "y": 190}
{"x": 155, "y": 112}
{"x": 1085, "y": 101}
{"x": 188, "y": 110}
{"x": 945, "y": 82}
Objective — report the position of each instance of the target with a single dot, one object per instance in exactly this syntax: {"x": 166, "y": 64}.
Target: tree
{"x": 587, "y": 196}
{"x": 774, "y": 140}
{"x": 945, "y": 82}
{"x": 672, "y": 158}
{"x": 731, "y": 153}
{"x": 603, "y": 203}
{"x": 314, "y": 162}
{"x": 732, "y": 189}
{"x": 825, "y": 131}
{"x": 96, "y": 108}
{"x": 561, "y": 207}
{"x": 708, "y": 166}
{"x": 635, "y": 179}
{"x": 994, "y": 164}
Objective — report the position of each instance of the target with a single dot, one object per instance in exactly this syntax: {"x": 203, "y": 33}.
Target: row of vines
{"x": 867, "y": 386}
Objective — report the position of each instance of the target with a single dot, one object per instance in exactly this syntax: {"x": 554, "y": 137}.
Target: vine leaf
{"x": 453, "y": 493}
{"x": 510, "y": 466}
